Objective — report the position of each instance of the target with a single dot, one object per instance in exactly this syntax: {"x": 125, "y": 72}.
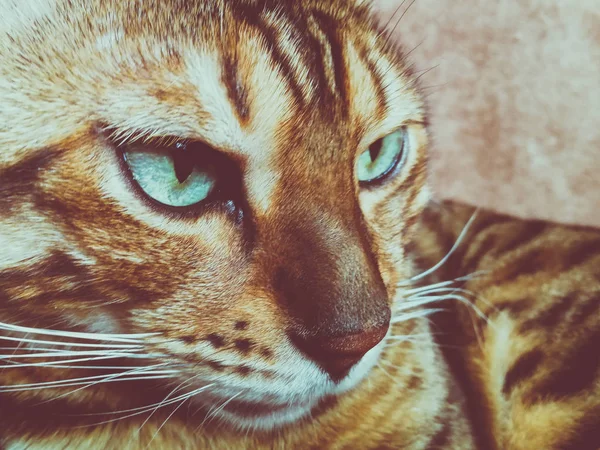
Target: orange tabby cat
{"x": 214, "y": 229}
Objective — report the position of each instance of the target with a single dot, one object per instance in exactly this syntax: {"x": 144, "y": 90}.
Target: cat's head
{"x": 233, "y": 183}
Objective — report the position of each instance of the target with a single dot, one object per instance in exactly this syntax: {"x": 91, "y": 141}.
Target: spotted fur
{"x": 124, "y": 325}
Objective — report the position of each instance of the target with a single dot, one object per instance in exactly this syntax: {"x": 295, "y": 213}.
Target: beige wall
{"x": 514, "y": 101}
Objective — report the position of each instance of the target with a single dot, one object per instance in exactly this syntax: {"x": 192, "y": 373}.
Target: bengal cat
{"x": 216, "y": 232}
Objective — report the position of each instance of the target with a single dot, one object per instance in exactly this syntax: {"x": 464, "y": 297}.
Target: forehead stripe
{"x": 250, "y": 16}
{"x": 332, "y": 33}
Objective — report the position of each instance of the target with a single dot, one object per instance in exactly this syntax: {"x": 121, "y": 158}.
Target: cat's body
{"x": 258, "y": 315}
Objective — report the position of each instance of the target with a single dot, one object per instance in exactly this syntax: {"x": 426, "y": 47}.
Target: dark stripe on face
{"x": 331, "y": 30}
{"x": 19, "y": 179}
{"x": 314, "y": 56}
{"x": 415, "y": 181}
{"x": 442, "y": 438}
{"x": 552, "y": 316}
{"x": 252, "y": 17}
{"x": 57, "y": 264}
{"x": 411, "y": 187}
{"x": 585, "y": 436}
{"x": 238, "y": 94}
{"x": 577, "y": 372}
{"x": 61, "y": 278}
{"x": 521, "y": 370}
{"x": 63, "y": 413}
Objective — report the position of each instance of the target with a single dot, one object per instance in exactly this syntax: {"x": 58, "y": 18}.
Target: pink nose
{"x": 337, "y": 355}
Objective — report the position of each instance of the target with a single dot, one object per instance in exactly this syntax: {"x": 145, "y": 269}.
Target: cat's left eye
{"x": 172, "y": 176}
{"x": 381, "y": 158}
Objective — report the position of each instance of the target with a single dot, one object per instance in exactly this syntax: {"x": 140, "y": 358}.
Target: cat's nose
{"x": 337, "y": 355}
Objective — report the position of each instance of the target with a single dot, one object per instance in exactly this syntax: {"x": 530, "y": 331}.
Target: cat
{"x": 217, "y": 232}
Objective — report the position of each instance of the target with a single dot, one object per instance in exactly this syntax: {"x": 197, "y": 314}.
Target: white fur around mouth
{"x": 263, "y": 414}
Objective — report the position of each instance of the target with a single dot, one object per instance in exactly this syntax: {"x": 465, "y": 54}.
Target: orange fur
{"x": 235, "y": 319}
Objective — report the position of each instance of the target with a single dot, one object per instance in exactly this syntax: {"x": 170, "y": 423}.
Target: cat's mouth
{"x": 262, "y": 415}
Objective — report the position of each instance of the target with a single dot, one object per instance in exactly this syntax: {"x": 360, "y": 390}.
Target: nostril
{"x": 337, "y": 355}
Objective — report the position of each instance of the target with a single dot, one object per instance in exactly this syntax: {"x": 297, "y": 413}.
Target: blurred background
{"x": 513, "y": 89}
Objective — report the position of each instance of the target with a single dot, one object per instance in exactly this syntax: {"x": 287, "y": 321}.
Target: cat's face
{"x": 237, "y": 181}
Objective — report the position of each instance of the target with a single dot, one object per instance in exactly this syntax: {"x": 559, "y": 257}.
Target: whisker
{"x": 384, "y": 29}
{"x": 443, "y": 283}
{"x": 148, "y": 409}
{"x": 461, "y": 299}
{"x": 37, "y": 388}
{"x": 210, "y": 415}
{"x": 116, "y": 353}
{"x": 459, "y": 240}
{"x": 56, "y": 350}
{"x": 415, "y": 315}
{"x": 78, "y": 335}
{"x": 70, "y": 344}
{"x": 178, "y": 387}
{"x": 66, "y": 366}
{"x": 142, "y": 371}
{"x": 152, "y": 377}
{"x": 15, "y": 349}
{"x": 391, "y": 32}
{"x": 407, "y": 337}
{"x": 57, "y": 364}
{"x": 166, "y": 420}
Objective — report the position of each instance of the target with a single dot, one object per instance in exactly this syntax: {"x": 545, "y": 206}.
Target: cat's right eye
{"x": 381, "y": 158}
{"x": 174, "y": 176}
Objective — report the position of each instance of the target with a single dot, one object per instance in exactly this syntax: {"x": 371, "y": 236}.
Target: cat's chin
{"x": 265, "y": 416}
{"x": 262, "y": 415}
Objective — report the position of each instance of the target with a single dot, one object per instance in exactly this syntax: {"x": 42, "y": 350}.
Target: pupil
{"x": 375, "y": 149}
{"x": 183, "y": 162}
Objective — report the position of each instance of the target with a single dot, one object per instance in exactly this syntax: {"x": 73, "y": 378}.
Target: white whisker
{"x": 146, "y": 408}
{"x": 461, "y": 299}
{"x": 138, "y": 371}
{"x": 409, "y": 337}
{"x": 415, "y": 315}
{"x": 127, "y": 338}
{"x": 442, "y": 284}
{"x": 116, "y": 354}
{"x": 57, "y": 364}
{"x": 70, "y": 344}
{"x": 216, "y": 411}
{"x": 450, "y": 252}
{"x": 166, "y": 420}
{"x": 58, "y": 383}
{"x": 178, "y": 387}
{"x": 84, "y": 384}
{"x": 416, "y": 302}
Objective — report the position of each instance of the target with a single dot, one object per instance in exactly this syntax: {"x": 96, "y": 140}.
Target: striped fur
{"x": 531, "y": 370}
{"x": 128, "y": 326}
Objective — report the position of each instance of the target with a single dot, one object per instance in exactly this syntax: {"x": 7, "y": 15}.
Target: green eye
{"x": 382, "y": 157}
{"x": 173, "y": 176}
